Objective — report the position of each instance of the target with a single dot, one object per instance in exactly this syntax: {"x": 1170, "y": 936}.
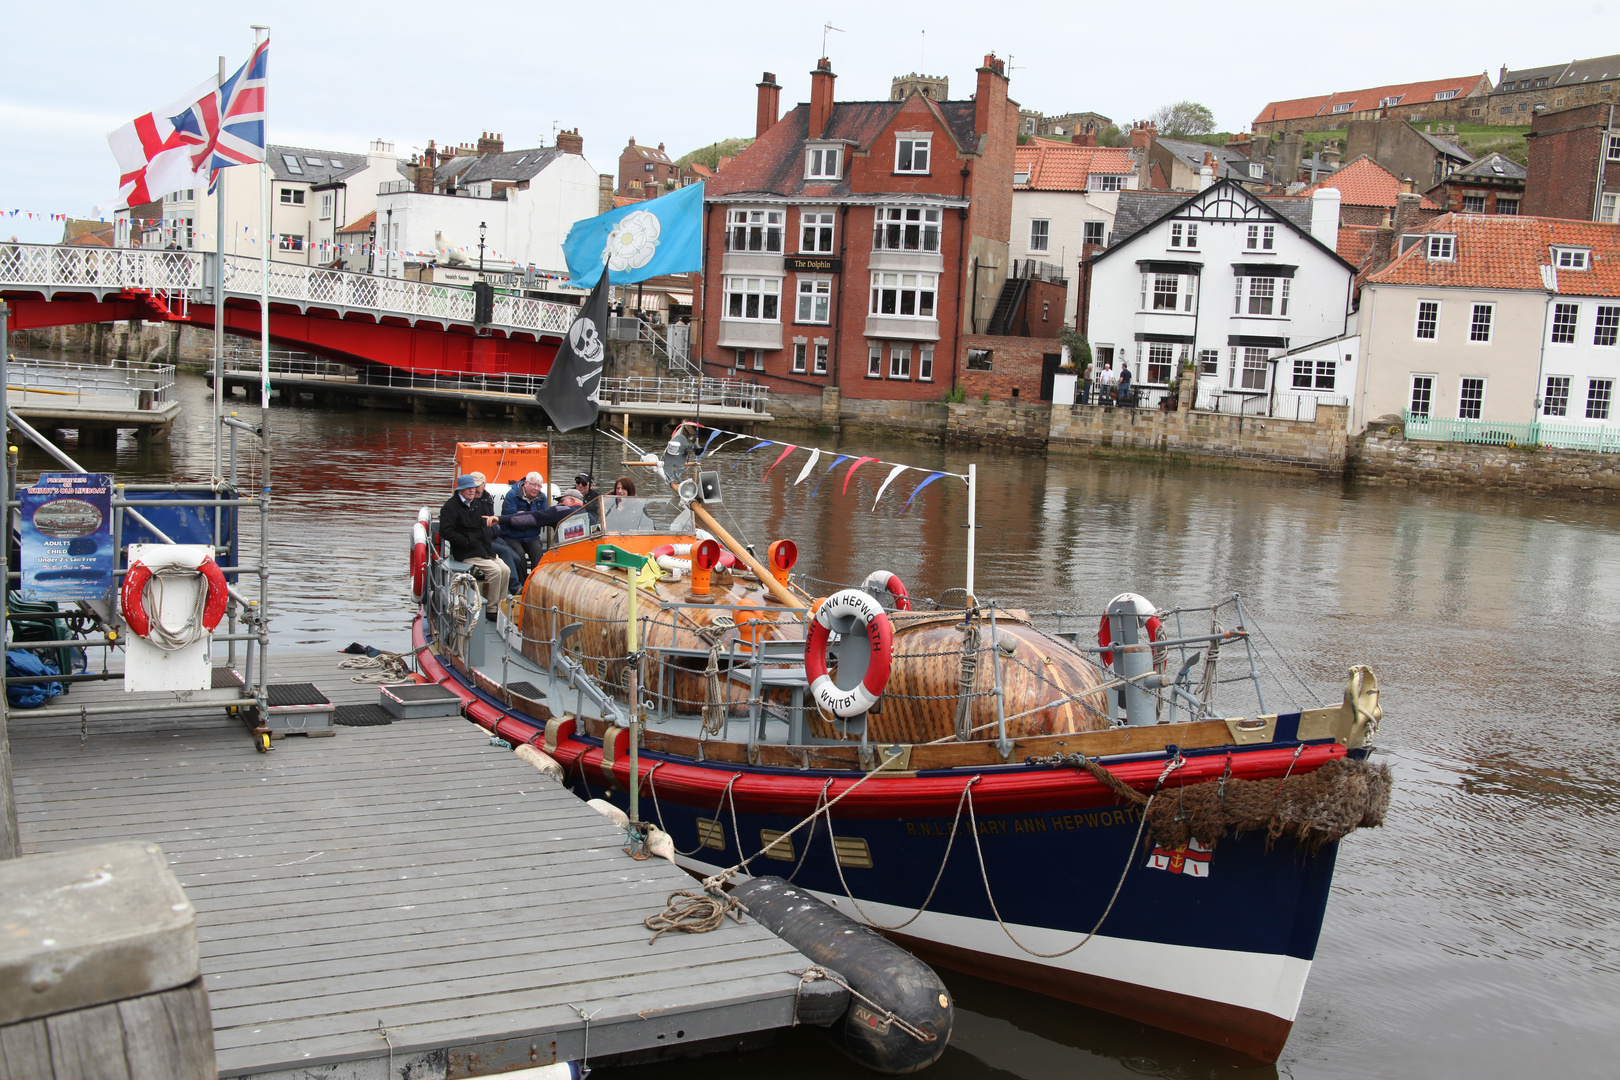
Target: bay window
{"x": 906, "y": 228}
{"x": 910, "y": 295}
{"x": 754, "y": 230}
{"x": 753, "y": 298}
{"x": 1266, "y": 296}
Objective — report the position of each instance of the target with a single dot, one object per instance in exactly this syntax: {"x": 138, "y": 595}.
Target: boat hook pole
{"x": 636, "y": 835}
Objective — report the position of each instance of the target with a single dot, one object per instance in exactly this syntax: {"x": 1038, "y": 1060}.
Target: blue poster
{"x": 67, "y": 549}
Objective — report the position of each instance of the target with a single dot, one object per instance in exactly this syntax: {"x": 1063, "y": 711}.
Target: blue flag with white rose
{"x": 637, "y": 242}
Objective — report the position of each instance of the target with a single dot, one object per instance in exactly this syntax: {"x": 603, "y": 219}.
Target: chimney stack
{"x": 1407, "y": 205}
{"x": 770, "y": 104}
{"x": 1325, "y": 216}
{"x": 425, "y": 171}
{"x": 570, "y": 142}
{"x": 490, "y": 143}
{"x": 821, "y": 97}
{"x": 1143, "y": 132}
{"x": 990, "y": 103}
{"x": 1206, "y": 173}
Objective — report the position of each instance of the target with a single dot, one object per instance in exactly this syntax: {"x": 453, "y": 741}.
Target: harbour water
{"x": 1473, "y": 935}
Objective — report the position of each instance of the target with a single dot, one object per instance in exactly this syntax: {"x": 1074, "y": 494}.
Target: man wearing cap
{"x": 471, "y": 532}
{"x": 589, "y": 496}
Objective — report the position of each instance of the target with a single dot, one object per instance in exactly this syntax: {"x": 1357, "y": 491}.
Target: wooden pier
{"x": 400, "y": 900}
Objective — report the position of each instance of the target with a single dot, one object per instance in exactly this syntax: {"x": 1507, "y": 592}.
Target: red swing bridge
{"x": 358, "y": 319}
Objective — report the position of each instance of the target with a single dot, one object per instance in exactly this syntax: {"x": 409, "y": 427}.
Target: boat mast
{"x": 972, "y": 527}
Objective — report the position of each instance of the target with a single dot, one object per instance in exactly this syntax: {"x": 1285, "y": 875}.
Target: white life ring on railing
{"x": 132, "y": 598}
{"x": 883, "y": 581}
{"x": 419, "y": 539}
{"x": 874, "y": 622}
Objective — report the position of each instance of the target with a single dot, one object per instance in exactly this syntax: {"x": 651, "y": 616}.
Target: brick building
{"x": 853, "y": 243}
{"x": 646, "y": 173}
{"x": 1492, "y": 185}
{"x": 1559, "y": 86}
{"x": 1574, "y": 167}
{"x": 1436, "y": 99}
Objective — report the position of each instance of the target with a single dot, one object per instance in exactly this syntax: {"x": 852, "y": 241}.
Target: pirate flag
{"x": 573, "y": 388}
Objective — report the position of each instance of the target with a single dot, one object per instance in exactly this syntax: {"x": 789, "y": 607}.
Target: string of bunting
{"x": 709, "y": 449}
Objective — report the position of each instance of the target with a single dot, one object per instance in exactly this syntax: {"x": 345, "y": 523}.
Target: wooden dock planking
{"x": 412, "y": 875}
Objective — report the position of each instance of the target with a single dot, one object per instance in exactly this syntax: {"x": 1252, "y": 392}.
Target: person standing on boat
{"x": 471, "y": 533}
{"x": 590, "y": 496}
{"x": 524, "y": 498}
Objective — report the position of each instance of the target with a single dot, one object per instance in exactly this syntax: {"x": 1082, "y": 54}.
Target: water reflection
{"x": 1470, "y": 936}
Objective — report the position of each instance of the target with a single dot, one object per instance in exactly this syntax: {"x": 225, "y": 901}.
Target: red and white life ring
{"x": 419, "y": 539}
{"x": 1150, "y": 622}
{"x": 132, "y": 598}
{"x": 881, "y": 581}
{"x": 677, "y": 557}
{"x": 874, "y": 622}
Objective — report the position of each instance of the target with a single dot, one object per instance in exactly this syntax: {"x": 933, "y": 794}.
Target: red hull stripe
{"x": 921, "y": 796}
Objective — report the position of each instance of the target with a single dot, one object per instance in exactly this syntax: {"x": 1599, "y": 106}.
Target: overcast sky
{"x": 408, "y": 71}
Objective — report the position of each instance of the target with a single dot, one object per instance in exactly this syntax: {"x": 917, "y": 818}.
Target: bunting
{"x": 712, "y": 446}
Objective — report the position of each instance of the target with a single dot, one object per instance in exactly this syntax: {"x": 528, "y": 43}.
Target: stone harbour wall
{"x": 1317, "y": 446}
{"x": 1003, "y": 423}
{"x": 1384, "y": 455}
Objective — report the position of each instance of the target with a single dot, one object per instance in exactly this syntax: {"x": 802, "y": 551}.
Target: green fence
{"x": 1603, "y": 438}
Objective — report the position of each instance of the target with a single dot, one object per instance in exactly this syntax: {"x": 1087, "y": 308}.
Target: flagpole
{"x": 262, "y": 33}
{"x": 219, "y": 308}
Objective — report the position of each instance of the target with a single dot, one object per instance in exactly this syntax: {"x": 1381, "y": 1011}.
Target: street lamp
{"x": 481, "y": 228}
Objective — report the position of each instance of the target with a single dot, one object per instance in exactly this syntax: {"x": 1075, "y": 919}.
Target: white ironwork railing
{"x": 189, "y": 274}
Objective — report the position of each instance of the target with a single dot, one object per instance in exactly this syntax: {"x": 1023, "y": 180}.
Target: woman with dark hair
{"x": 624, "y": 486}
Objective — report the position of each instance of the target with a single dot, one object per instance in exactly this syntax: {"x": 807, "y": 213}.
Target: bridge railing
{"x": 190, "y": 276}
{"x": 642, "y": 390}
{"x": 55, "y": 266}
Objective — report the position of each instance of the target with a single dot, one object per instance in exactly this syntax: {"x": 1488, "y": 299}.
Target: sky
{"x": 343, "y": 73}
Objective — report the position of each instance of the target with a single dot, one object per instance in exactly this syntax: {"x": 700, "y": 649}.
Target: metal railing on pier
{"x": 143, "y": 385}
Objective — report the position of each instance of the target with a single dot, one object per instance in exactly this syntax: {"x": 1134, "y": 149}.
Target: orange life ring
{"x": 132, "y": 597}
{"x": 880, "y": 639}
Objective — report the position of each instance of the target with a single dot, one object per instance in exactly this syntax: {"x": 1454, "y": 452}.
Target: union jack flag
{"x": 213, "y": 127}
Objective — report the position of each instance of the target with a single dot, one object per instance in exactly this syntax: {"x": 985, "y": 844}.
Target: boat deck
{"x": 395, "y": 894}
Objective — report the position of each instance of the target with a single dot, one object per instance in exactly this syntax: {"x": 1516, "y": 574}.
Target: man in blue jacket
{"x": 524, "y": 498}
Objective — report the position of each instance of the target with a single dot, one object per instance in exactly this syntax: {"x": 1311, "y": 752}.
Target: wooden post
{"x": 102, "y": 981}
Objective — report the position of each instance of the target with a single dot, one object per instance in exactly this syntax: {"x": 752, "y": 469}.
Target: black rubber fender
{"x": 873, "y": 966}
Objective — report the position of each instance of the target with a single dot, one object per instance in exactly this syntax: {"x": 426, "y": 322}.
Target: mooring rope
{"x": 692, "y": 913}
{"x": 173, "y": 639}
{"x": 938, "y": 877}
{"x": 1130, "y": 859}
{"x": 815, "y": 971}
{"x": 385, "y": 667}
{"x": 968, "y": 676}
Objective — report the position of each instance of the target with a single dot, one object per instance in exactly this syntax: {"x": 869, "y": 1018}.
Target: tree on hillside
{"x": 710, "y": 155}
{"x": 1182, "y": 119}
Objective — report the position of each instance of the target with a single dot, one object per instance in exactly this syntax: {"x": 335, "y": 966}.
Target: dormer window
{"x": 1442, "y": 247}
{"x": 1021, "y": 179}
{"x": 821, "y": 163}
{"x": 911, "y": 154}
{"x": 1105, "y": 182}
{"x": 1572, "y": 258}
{"x": 1385, "y": 103}
{"x": 1445, "y": 95}
{"x": 1256, "y": 170}
{"x": 1342, "y": 107}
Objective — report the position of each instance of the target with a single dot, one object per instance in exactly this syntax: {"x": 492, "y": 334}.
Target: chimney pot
{"x": 769, "y": 105}
{"x": 821, "y": 98}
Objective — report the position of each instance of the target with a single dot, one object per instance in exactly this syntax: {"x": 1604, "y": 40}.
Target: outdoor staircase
{"x": 1008, "y": 305}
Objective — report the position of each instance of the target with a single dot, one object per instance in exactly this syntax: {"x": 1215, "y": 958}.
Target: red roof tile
{"x": 1061, "y": 166}
{"x": 1364, "y": 182}
{"x": 365, "y": 224}
{"x": 1508, "y": 252}
{"x": 1356, "y": 243}
{"x": 1361, "y": 100}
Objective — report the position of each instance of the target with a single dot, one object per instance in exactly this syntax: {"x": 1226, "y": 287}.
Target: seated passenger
{"x": 469, "y": 530}
{"x": 522, "y": 498}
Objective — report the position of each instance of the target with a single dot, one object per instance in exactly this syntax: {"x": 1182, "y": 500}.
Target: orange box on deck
{"x": 502, "y": 462}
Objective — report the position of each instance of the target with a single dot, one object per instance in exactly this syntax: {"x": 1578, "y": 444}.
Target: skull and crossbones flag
{"x": 570, "y": 395}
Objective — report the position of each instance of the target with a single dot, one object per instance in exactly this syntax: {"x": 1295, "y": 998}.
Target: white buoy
{"x": 661, "y": 844}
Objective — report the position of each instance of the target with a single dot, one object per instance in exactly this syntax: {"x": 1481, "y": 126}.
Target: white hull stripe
{"x": 1264, "y": 982}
